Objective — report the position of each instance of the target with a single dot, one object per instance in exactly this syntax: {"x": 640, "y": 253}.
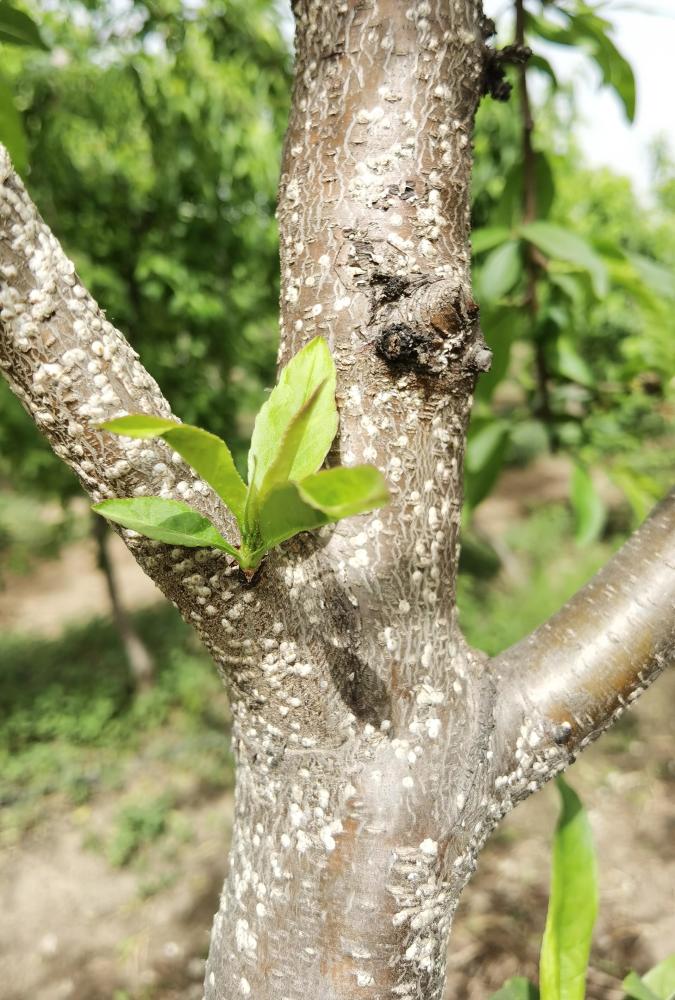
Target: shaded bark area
{"x": 375, "y": 750}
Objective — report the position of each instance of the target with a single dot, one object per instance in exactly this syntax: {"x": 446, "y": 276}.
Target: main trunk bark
{"x": 364, "y": 748}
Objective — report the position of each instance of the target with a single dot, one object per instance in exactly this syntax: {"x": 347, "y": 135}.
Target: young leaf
{"x": 138, "y": 425}
{"x": 517, "y": 989}
{"x": 637, "y": 989}
{"x": 310, "y": 370}
{"x": 169, "y": 521}
{"x": 561, "y": 244}
{"x": 293, "y": 440}
{"x": 283, "y": 514}
{"x": 208, "y": 455}
{"x": 589, "y": 510}
{"x": 323, "y": 498}
{"x": 211, "y": 459}
{"x": 345, "y": 491}
{"x": 572, "y": 905}
{"x": 661, "y": 979}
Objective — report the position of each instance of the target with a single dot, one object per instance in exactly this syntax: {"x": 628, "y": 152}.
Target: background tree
{"x": 181, "y": 249}
{"x": 405, "y": 582}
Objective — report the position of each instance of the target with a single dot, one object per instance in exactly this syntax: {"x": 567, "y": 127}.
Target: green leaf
{"x": 661, "y": 979}
{"x": 211, "y": 459}
{"x": 589, "y": 510}
{"x": 637, "y": 989}
{"x": 550, "y": 32}
{"x": 323, "y": 498}
{"x": 543, "y": 65}
{"x": 208, "y": 455}
{"x": 488, "y": 237}
{"x": 500, "y": 272}
{"x": 12, "y": 133}
{"x": 485, "y": 454}
{"x": 590, "y": 32}
{"x": 658, "y": 278}
{"x": 295, "y": 437}
{"x": 616, "y": 71}
{"x": 517, "y": 989}
{"x": 310, "y": 370}
{"x": 345, "y": 491}
{"x": 571, "y": 365}
{"x": 284, "y": 513}
{"x": 169, "y": 521}
{"x": 138, "y": 425}
{"x": 561, "y": 244}
{"x": 18, "y": 28}
{"x": 572, "y": 905}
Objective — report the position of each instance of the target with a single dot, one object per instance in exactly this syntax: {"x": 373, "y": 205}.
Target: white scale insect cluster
{"x": 375, "y": 750}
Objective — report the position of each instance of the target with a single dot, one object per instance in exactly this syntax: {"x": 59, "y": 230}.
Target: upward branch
{"x": 71, "y": 369}
{"x": 573, "y": 676}
{"x": 532, "y": 256}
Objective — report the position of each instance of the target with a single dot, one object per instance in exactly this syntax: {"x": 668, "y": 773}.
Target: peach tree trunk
{"x": 375, "y": 750}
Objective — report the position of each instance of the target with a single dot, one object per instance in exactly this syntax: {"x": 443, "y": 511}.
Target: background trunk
{"x": 137, "y": 655}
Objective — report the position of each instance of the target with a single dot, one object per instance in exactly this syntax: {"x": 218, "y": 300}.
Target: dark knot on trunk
{"x": 429, "y": 327}
{"x": 495, "y": 84}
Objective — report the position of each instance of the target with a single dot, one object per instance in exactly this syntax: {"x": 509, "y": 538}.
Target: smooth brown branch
{"x": 574, "y": 675}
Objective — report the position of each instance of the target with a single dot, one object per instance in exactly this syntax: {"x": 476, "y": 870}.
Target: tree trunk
{"x": 375, "y": 750}
{"x": 139, "y": 660}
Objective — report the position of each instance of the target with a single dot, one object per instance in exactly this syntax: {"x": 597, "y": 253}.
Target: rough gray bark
{"x": 375, "y": 750}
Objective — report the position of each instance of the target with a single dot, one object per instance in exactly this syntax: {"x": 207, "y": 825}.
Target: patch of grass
{"x": 71, "y": 723}
{"x": 136, "y": 826}
{"x": 547, "y": 568}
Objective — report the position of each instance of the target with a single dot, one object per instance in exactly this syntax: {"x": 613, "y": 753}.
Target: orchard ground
{"x": 116, "y": 809}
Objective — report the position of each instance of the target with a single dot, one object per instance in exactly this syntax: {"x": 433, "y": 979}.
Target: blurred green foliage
{"x": 153, "y": 132}
{"x": 154, "y": 135}
{"x": 30, "y": 531}
{"x": 496, "y": 611}
{"x": 577, "y": 304}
